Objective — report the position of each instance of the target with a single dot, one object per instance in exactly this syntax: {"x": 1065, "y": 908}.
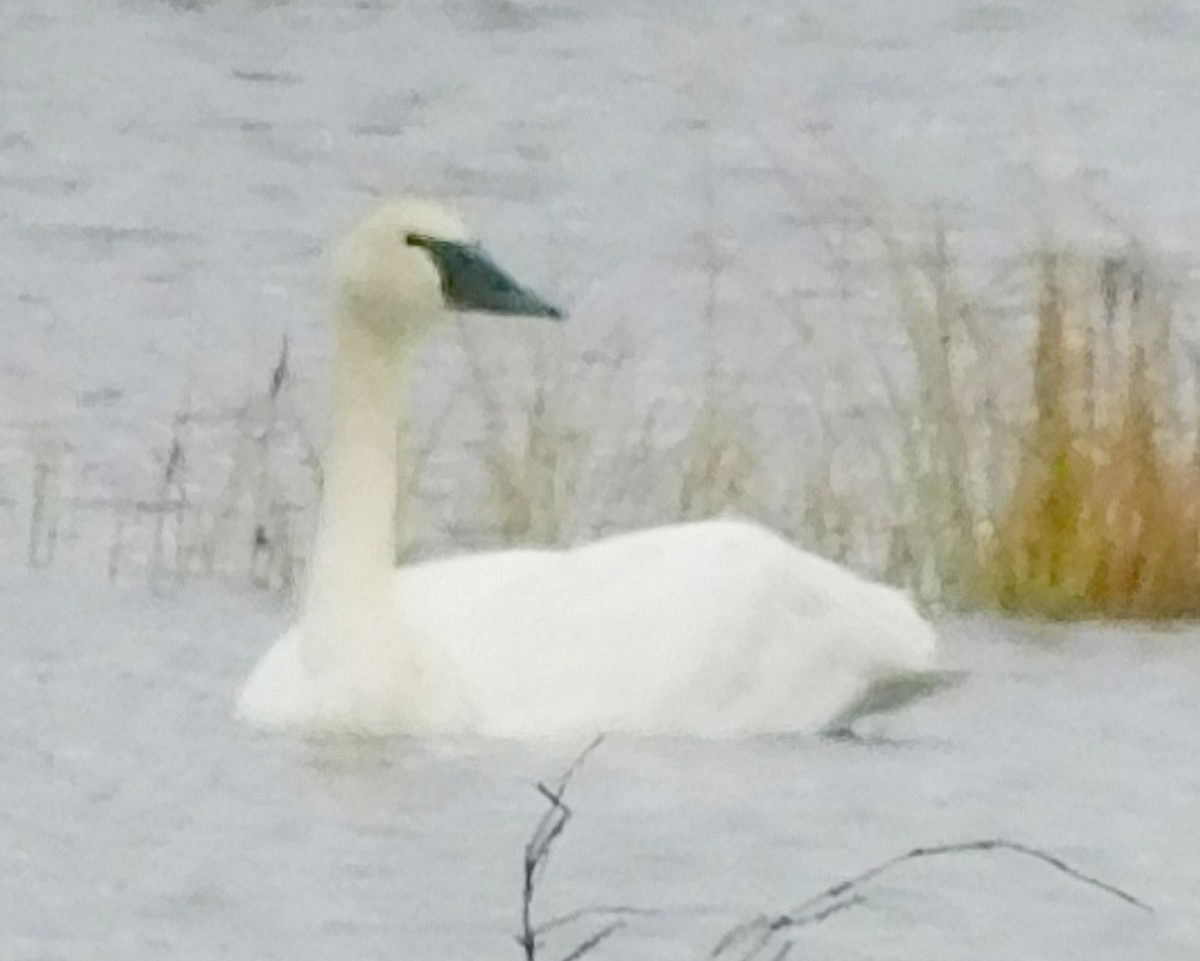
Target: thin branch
{"x": 537, "y": 855}
{"x": 625, "y": 911}
{"x": 759, "y": 932}
{"x": 577, "y": 764}
{"x": 606, "y": 910}
{"x": 595, "y": 941}
{"x": 968, "y": 847}
{"x": 766, "y": 927}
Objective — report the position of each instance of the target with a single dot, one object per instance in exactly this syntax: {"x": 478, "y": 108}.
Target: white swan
{"x": 713, "y": 629}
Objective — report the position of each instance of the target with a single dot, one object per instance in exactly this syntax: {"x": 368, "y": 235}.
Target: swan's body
{"x": 711, "y": 629}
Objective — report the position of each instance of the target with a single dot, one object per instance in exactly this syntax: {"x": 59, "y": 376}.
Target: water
{"x": 169, "y": 173}
{"x": 140, "y": 821}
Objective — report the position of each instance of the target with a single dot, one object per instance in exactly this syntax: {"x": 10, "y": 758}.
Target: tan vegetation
{"x": 1081, "y": 500}
{"x": 1104, "y": 518}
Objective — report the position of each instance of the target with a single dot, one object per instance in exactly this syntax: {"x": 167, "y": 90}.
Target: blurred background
{"x": 811, "y": 253}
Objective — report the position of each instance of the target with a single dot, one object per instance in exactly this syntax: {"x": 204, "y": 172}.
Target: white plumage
{"x": 714, "y": 629}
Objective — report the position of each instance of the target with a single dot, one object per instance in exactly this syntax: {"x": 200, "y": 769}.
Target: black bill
{"x": 471, "y": 280}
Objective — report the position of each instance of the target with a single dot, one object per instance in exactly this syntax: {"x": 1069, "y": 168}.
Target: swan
{"x": 711, "y": 629}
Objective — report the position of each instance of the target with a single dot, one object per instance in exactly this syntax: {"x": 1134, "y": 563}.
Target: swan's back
{"x": 714, "y": 629}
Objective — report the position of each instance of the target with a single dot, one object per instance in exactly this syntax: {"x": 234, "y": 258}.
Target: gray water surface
{"x": 139, "y": 821}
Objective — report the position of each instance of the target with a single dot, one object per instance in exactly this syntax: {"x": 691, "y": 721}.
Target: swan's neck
{"x": 347, "y": 608}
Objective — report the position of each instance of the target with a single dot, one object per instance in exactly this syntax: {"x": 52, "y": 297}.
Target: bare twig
{"x": 967, "y": 847}
{"x": 537, "y": 855}
{"x": 755, "y": 935}
{"x": 594, "y": 941}
{"x": 600, "y": 911}
{"x": 764, "y": 936}
{"x": 763, "y": 929}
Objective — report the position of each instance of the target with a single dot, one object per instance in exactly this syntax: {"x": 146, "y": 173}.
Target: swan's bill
{"x": 472, "y": 281}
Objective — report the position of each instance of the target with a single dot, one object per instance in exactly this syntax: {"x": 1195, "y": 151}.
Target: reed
{"x": 1081, "y": 499}
{"x": 1104, "y": 518}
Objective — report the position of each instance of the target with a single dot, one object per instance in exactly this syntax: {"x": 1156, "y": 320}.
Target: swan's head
{"x": 409, "y": 261}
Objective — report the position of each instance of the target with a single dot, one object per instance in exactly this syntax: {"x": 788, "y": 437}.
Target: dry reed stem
{"x": 530, "y": 486}
{"x": 1103, "y": 521}
{"x": 1093, "y": 509}
{"x": 719, "y": 466}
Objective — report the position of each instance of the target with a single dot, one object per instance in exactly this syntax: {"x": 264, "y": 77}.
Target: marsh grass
{"x": 1062, "y": 481}
{"x": 228, "y": 495}
{"x": 718, "y": 451}
{"x": 1103, "y": 518}
{"x": 531, "y": 453}
{"x": 942, "y": 504}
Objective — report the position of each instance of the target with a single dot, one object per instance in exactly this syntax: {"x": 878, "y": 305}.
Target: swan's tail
{"x": 892, "y": 693}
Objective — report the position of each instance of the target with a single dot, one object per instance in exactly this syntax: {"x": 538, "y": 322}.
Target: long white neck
{"x": 347, "y": 608}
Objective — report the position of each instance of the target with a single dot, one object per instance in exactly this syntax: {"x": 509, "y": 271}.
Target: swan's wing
{"x": 892, "y": 693}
